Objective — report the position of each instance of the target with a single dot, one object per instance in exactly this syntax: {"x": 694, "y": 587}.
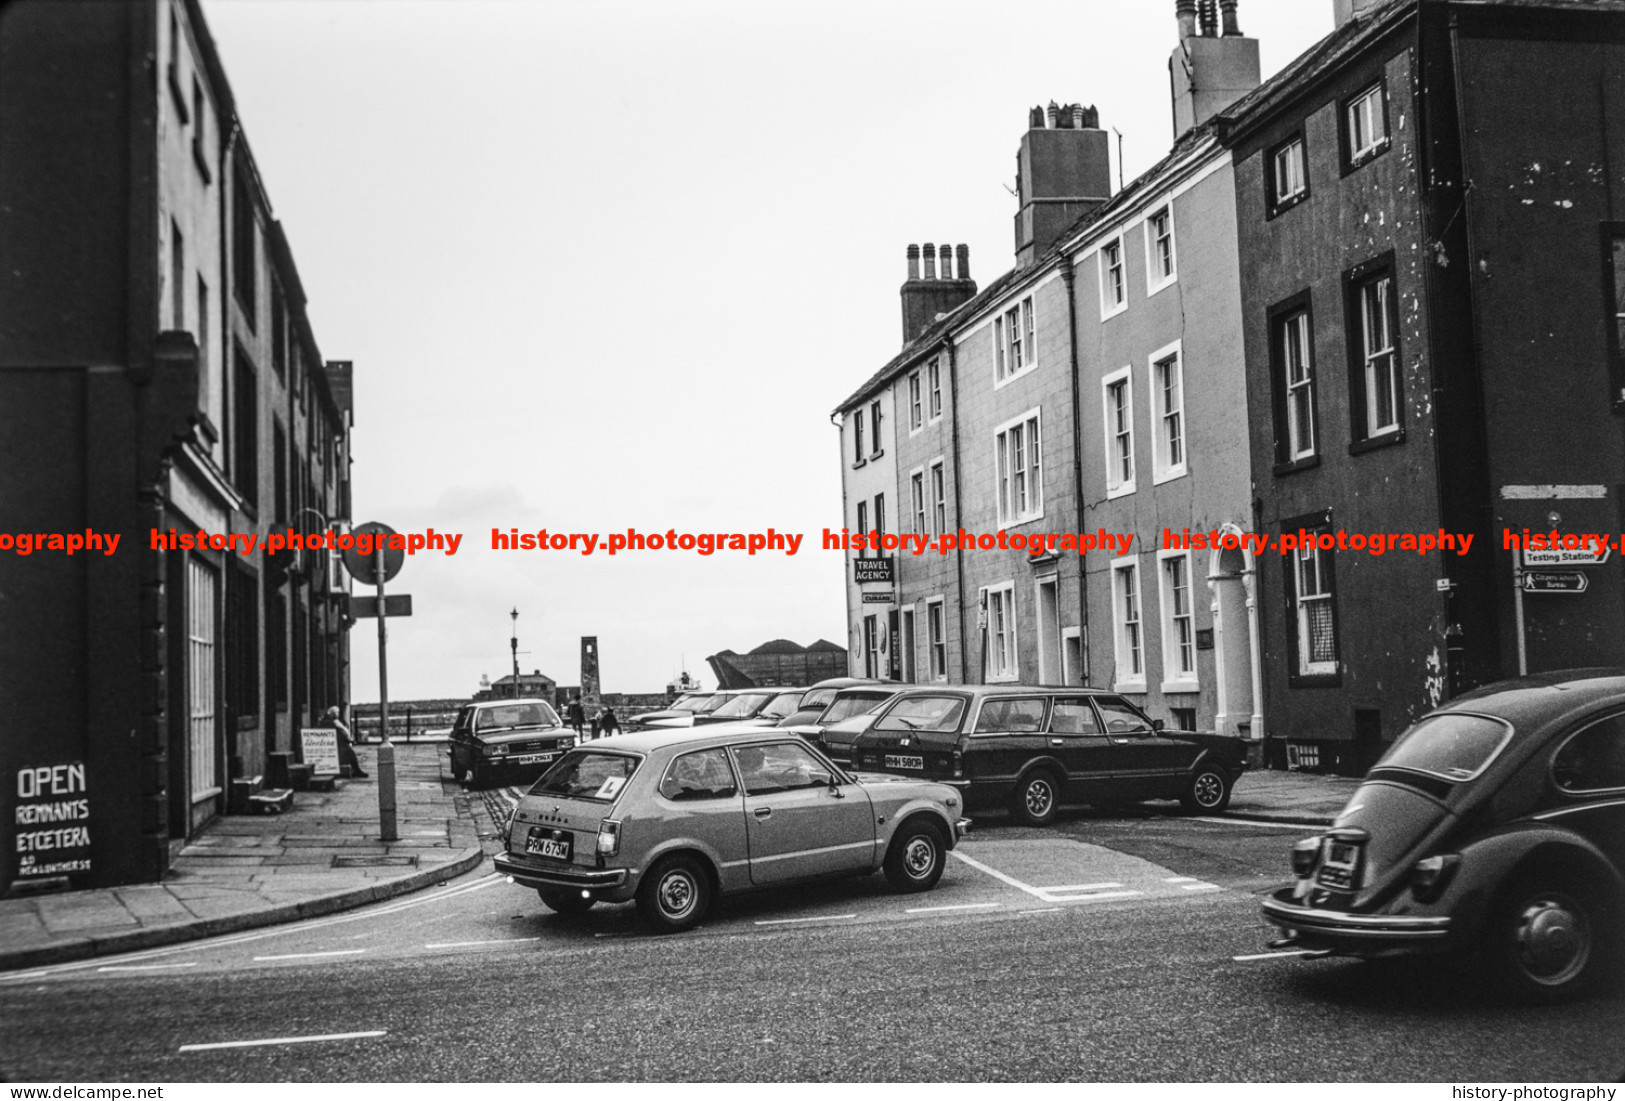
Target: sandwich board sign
{"x": 319, "y": 746}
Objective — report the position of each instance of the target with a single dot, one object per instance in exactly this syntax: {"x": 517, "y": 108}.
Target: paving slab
{"x": 241, "y": 872}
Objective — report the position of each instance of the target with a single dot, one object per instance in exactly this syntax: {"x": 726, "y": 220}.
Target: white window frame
{"x": 1179, "y": 663}
{"x": 937, "y": 478}
{"x": 1128, "y": 633}
{"x": 862, "y": 523}
{"x": 203, "y": 597}
{"x": 1116, "y": 484}
{"x": 1300, "y": 437}
{"x": 1155, "y": 279}
{"x": 1300, "y": 608}
{"x": 1370, "y": 368}
{"x": 1003, "y": 661}
{"x": 916, "y": 406}
{"x": 1166, "y": 422}
{"x": 1015, "y": 343}
{"x": 933, "y": 374}
{"x": 1067, "y": 635}
{"x": 936, "y": 639}
{"x": 1366, "y": 110}
{"x": 875, "y": 419}
{"x": 1021, "y": 437}
{"x": 1289, "y": 189}
{"x": 859, "y": 455}
{"x": 917, "y": 501}
{"x": 908, "y": 624}
{"x": 1109, "y": 308}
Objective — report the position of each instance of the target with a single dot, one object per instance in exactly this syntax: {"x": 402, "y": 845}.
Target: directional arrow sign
{"x": 366, "y": 607}
{"x": 1580, "y": 556}
{"x": 1554, "y": 581}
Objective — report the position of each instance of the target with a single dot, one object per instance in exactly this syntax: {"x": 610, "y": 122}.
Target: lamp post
{"x": 514, "y": 645}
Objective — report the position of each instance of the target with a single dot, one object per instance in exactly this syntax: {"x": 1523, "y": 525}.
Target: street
{"x": 1123, "y": 948}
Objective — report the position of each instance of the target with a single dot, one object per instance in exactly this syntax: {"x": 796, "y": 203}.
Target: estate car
{"x": 673, "y": 818}
{"x": 1492, "y": 830}
{"x": 1034, "y": 749}
{"x": 516, "y": 738}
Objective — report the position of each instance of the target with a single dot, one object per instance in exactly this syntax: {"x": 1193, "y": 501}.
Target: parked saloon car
{"x": 682, "y": 708}
{"x": 818, "y": 697}
{"x": 517, "y": 738}
{"x": 749, "y": 703}
{"x": 1495, "y": 826}
{"x": 672, "y": 818}
{"x": 1034, "y": 749}
{"x": 847, "y": 716}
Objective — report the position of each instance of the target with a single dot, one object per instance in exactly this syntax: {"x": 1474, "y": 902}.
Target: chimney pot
{"x": 1054, "y": 114}
{"x": 1185, "y": 12}
{"x": 1227, "y": 8}
{"x": 1077, "y": 116}
{"x": 1208, "y": 14}
{"x": 930, "y": 261}
{"x": 962, "y": 261}
{"x": 945, "y": 261}
{"x": 1035, "y": 119}
{"x": 913, "y": 262}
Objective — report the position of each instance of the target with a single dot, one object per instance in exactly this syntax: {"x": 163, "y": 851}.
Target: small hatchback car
{"x": 1033, "y": 749}
{"x": 1493, "y": 830}
{"x": 673, "y": 818}
{"x": 514, "y": 738}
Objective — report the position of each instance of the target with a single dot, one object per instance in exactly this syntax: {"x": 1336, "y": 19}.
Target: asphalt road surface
{"x": 1103, "y": 949}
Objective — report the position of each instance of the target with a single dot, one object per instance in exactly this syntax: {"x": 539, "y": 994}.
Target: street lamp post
{"x": 513, "y": 643}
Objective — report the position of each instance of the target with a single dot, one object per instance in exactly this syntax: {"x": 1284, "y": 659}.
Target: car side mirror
{"x": 1157, "y": 726}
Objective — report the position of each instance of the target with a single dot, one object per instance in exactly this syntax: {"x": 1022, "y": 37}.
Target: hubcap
{"x": 676, "y": 894}
{"x": 1553, "y": 939}
{"x": 918, "y": 858}
{"x": 1039, "y": 798}
{"x": 1209, "y": 789}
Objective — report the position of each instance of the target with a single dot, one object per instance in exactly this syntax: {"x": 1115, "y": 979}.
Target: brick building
{"x": 158, "y": 373}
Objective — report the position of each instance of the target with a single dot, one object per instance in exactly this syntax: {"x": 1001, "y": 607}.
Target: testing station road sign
{"x": 1567, "y": 559}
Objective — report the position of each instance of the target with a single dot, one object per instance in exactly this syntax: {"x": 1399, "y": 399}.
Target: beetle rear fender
{"x": 1491, "y": 862}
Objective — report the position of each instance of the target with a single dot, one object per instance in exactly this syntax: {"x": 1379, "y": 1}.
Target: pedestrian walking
{"x": 608, "y": 724}
{"x": 577, "y": 716}
{"x": 346, "y": 746}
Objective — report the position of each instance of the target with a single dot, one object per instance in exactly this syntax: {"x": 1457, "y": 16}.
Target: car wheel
{"x": 1208, "y": 792}
{"x": 916, "y": 858}
{"x": 458, "y": 772}
{"x": 1542, "y": 940}
{"x": 562, "y": 900}
{"x": 1037, "y": 799}
{"x": 476, "y": 776}
{"x": 675, "y": 894}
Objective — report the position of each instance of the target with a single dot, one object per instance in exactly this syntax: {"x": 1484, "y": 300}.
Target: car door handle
{"x": 763, "y": 812}
{"x": 1057, "y": 741}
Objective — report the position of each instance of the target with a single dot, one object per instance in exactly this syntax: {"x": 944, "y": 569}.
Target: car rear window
{"x": 1450, "y": 746}
{"x": 509, "y": 715}
{"x": 940, "y": 713}
{"x": 858, "y": 703}
{"x": 586, "y": 774}
{"x": 783, "y": 706}
{"x": 741, "y": 706}
{"x": 1023, "y": 716}
{"x": 817, "y": 697}
{"x": 712, "y": 704}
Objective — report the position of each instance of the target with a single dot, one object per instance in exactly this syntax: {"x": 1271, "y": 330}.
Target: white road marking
{"x": 1082, "y": 887}
{"x": 1180, "y": 879}
{"x": 472, "y": 943}
{"x": 1095, "y": 897}
{"x": 284, "y": 1040}
{"x": 1273, "y": 955}
{"x": 1297, "y": 827}
{"x": 963, "y": 906}
{"x": 1000, "y": 876}
{"x": 311, "y": 955}
{"x": 1200, "y": 887}
{"x": 144, "y": 966}
{"x": 797, "y": 921}
{"x": 1045, "y": 910}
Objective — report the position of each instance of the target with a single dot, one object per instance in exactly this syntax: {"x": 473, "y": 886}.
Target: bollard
{"x": 386, "y": 791}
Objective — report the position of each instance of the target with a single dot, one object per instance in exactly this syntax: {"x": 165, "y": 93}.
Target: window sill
{"x": 860, "y": 463}
{"x": 1020, "y": 521}
{"x": 1108, "y": 314}
{"x": 1360, "y": 160}
{"x": 1129, "y": 687}
{"x": 1373, "y": 443}
{"x": 1315, "y": 680}
{"x": 1121, "y": 491}
{"x": 202, "y": 163}
{"x": 998, "y": 383}
{"x": 877, "y": 454}
{"x": 1308, "y": 462}
{"x": 1160, "y": 477}
{"x": 178, "y": 95}
{"x": 1275, "y": 210}
{"x": 1154, "y": 289}
{"x": 1171, "y": 686}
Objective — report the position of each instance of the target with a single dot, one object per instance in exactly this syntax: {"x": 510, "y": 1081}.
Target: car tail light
{"x": 1432, "y": 874}
{"x": 1304, "y": 854}
{"x": 959, "y": 765}
{"x": 609, "y": 837}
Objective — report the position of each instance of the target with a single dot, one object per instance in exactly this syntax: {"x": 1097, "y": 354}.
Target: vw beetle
{"x": 1492, "y": 830}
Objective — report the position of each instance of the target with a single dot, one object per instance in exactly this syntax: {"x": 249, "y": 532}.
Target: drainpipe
{"x": 845, "y": 581}
{"x": 1069, "y": 276}
{"x": 959, "y": 514}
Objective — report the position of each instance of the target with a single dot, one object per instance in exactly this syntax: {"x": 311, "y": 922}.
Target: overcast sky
{"x": 613, "y": 264}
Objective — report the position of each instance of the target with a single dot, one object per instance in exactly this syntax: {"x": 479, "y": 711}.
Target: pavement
{"x": 325, "y": 855}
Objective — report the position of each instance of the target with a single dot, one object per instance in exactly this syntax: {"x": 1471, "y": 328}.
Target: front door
{"x": 800, "y": 820}
{"x": 1146, "y": 764}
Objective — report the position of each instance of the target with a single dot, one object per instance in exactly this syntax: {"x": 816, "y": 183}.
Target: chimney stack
{"x": 1063, "y": 170}
{"x": 927, "y": 297}
{"x": 1345, "y": 10}
{"x": 1214, "y": 64}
